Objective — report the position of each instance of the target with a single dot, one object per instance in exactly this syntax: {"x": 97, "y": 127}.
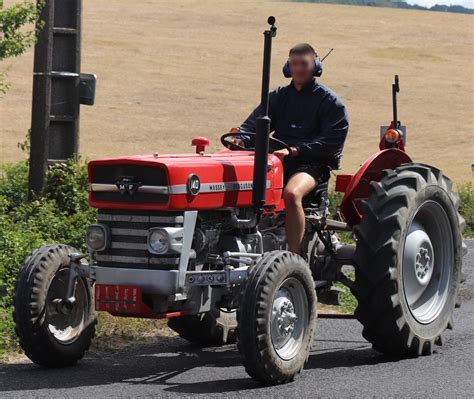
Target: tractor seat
{"x": 316, "y": 197}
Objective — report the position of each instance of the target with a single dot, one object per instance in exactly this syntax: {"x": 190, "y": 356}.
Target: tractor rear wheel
{"x": 408, "y": 260}
{"x": 213, "y": 328}
{"x": 52, "y": 335}
{"x": 276, "y": 318}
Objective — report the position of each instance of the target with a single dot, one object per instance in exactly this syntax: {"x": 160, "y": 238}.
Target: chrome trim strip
{"x": 129, "y": 232}
{"x": 216, "y": 187}
{"x": 139, "y": 218}
{"x": 166, "y": 219}
{"x": 128, "y": 245}
{"x": 122, "y": 259}
{"x": 103, "y": 187}
{"x": 154, "y": 189}
{"x": 136, "y": 259}
{"x": 164, "y": 261}
{"x": 113, "y": 188}
{"x": 122, "y": 218}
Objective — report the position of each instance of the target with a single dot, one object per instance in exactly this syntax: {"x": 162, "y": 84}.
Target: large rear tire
{"x": 408, "y": 260}
{"x": 51, "y": 337}
{"x": 276, "y": 318}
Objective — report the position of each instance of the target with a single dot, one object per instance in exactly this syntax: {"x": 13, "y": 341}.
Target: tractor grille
{"x": 128, "y": 247}
{"x": 153, "y": 182}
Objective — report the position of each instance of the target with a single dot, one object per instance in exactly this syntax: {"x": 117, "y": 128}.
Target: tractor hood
{"x": 180, "y": 182}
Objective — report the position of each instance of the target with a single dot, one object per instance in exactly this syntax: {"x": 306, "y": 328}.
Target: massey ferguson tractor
{"x": 199, "y": 239}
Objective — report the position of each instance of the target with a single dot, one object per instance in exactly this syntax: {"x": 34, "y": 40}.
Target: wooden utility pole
{"x": 58, "y": 89}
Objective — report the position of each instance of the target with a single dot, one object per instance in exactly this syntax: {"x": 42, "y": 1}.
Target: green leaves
{"x": 19, "y": 25}
{"x": 466, "y": 209}
{"x": 13, "y": 39}
{"x": 61, "y": 214}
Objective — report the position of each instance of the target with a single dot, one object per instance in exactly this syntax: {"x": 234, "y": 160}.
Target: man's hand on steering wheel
{"x": 281, "y": 154}
{"x": 236, "y": 141}
{"x": 232, "y": 141}
{"x": 285, "y": 152}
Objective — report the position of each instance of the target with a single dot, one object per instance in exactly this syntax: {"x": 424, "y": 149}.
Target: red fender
{"x": 358, "y": 187}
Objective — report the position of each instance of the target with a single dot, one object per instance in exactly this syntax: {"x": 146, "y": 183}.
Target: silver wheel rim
{"x": 289, "y": 318}
{"x": 428, "y": 261}
{"x": 66, "y": 327}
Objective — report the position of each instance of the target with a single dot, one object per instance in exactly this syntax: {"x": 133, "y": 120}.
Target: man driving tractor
{"x": 313, "y": 121}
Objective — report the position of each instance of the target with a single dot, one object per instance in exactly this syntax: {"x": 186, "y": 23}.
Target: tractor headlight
{"x": 158, "y": 241}
{"x": 97, "y": 237}
{"x": 163, "y": 240}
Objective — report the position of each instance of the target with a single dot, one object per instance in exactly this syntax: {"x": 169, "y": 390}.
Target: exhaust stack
{"x": 263, "y": 124}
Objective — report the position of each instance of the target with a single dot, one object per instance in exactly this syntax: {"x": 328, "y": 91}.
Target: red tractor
{"x": 200, "y": 239}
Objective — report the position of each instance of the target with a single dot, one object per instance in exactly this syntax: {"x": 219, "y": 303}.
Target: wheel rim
{"x": 289, "y": 318}
{"x": 66, "y": 326}
{"x": 428, "y": 261}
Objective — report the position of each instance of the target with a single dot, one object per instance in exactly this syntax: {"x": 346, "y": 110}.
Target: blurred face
{"x": 301, "y": 66}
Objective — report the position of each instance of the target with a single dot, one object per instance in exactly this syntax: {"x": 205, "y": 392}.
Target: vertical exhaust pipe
{"x": 263, "y": 125}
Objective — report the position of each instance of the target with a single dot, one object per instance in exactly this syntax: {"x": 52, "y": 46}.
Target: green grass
{"x": 347, "y": 300}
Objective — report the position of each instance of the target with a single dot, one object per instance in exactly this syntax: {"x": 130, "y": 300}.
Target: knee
{"x": 292, "y": 197}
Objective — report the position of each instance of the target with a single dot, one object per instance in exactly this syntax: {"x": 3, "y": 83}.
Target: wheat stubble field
{"x": 170, "y": 70}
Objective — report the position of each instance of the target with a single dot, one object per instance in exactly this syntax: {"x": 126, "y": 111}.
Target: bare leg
{"x": 297, "y": 187}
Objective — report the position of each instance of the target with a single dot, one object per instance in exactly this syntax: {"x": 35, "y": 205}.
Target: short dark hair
{"x": 302, "y": 49}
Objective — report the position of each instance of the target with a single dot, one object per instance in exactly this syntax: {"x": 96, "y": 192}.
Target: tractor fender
{"x": 358, "y": 188}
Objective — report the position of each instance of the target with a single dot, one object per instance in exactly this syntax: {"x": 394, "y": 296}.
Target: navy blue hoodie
{"x": 314, "y": 120}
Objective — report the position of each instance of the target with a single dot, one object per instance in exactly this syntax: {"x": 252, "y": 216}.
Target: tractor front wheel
{"x": 276, "y": 318}
{"x": 50, "y": 334}
{"x": 408, "y": 260}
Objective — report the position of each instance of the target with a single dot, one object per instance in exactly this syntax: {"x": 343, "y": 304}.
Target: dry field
{"x": 169, "y": 70}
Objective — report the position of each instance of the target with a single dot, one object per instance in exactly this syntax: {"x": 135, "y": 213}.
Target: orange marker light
{"x": 392, "y": 135}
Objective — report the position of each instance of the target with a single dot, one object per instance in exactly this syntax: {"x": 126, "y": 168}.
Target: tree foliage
{"x": 18, "y": 30}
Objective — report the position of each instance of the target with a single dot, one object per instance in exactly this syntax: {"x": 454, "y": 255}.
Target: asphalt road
{"x": 342, "y": 364}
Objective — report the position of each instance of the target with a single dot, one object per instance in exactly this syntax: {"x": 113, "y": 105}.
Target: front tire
{"x": 49, "y": 336}
{"x": 276, "y": 318}
{"x": 408, "y": 260}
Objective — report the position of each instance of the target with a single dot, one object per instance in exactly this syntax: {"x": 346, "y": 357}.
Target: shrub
{"x": 61, "y": 214}
{"x": 466, "y": 194}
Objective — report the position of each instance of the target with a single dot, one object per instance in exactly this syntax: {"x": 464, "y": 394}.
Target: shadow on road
{"x": 164, "y": 363}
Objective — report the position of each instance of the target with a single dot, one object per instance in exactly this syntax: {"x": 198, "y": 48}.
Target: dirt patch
{"x": 170, "y": 70}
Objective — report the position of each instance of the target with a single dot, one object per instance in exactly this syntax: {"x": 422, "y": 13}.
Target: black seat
{"x": 317, "y": 197}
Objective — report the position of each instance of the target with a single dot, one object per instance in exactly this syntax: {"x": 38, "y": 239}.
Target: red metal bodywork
{"x": 358, "y": 188}
{"x": 127, "y": 301}
{"x": 222, "y": 168}
{"x": 234, "y": 167}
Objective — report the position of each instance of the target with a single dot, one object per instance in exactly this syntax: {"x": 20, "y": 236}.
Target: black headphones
{"x": 317, "y": 69}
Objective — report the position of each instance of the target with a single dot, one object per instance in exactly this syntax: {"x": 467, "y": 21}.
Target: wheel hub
{"x": 66, "y": 319}
{"x": 427, "y": 262}
{"x": 423, "y": 265}
{"x": 418, "y": 254}
{"x": 286, "y": 318}
{"x": 289, "y": 318}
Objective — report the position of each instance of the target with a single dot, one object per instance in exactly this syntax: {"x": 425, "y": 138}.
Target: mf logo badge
{"x": 127, "y": 185}
{"x": 193, "y": 185}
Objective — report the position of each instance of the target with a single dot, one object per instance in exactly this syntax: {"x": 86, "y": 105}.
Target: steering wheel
{"x": 274, "y": 144}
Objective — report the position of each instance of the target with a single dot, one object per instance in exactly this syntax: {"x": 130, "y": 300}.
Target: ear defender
{"x": 317, "y": 70}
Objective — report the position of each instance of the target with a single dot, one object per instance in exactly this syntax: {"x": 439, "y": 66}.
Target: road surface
{"x": 342, "y": 364}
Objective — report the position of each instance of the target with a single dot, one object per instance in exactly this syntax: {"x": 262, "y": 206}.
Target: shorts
{"x": 320, "y": 173}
